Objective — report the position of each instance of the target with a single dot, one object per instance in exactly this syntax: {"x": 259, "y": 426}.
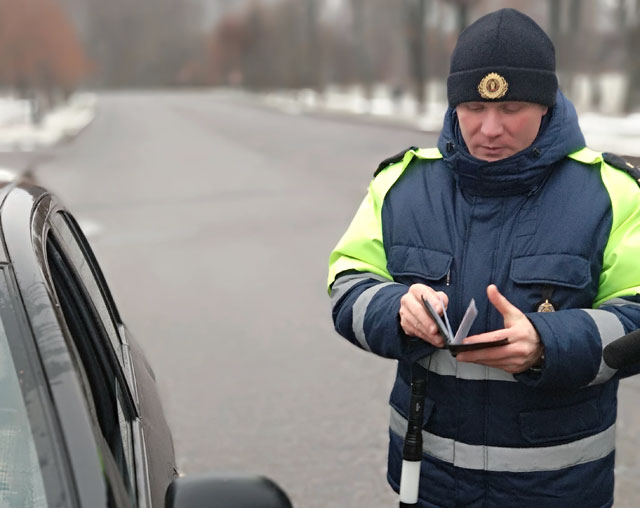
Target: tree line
{"x": 50, "y": 47}
{"x": 303, "y": 43}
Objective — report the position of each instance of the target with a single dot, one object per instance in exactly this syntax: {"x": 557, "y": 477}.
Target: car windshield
{"x": 21, "y": 482}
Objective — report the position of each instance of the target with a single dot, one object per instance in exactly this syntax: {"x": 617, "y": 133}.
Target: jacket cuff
{"x": 572, "y": 349}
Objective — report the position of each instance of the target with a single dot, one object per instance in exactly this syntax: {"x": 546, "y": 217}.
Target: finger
{"x": 512, "y": 354}
{"x": 504, "y": 306}
{"x": 418, "y": 332}
{"x": 415, "y": 308}
{"x": 445, "y": 298}
{"x": 489, "y": 336}
{"x": 416, "y": 327}
{"x": 498, "y": 354}
{"x": 498, "y": 361}
{"x": 419, "y": 312}
{"x": 415, "y": 319}
{"x": 434, "y": 300}
{"x": 412, "y": 329}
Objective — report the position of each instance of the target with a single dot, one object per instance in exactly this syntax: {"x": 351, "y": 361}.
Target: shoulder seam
{"x": 420, "y": 153}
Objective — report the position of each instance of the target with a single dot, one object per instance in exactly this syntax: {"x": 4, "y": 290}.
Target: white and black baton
{"x": 412, "y": 450}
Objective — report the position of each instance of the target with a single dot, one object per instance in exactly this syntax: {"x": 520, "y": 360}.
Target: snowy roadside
{"x": 18, "y": 134}
{"x": 617, "y": 134}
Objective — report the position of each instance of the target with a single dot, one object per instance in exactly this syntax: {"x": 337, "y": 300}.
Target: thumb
{"x": 504, "y": 306}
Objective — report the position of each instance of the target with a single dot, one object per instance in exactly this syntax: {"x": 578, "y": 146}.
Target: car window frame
{"x": 75, "y": 245}
{"x": 73, "y": 242}
{"x": 85, "y": 267}
{"x": 82, "y": 241}
{"x": 80, "y": 253}
{"x": 124, "y": 406}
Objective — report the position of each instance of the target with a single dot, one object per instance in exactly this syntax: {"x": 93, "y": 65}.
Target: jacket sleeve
{"x": 364, "y": 298}
{"x": 574, "y": 339}
{"x": 365, "y": 312}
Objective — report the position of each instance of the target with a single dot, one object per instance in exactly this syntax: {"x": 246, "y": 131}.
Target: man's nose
{"x": 492, "y": 124}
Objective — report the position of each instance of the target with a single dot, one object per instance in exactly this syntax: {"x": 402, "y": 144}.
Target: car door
{"x": 102, "y": 390}
{"x": 98, "y": 369}
{"x": 149, "y": 446}
{"x": 88, "y": 412}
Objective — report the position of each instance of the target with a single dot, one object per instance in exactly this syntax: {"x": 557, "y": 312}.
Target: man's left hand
{"x": 524, "y": 349}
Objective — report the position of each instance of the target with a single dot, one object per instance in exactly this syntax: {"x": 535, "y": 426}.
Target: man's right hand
{"x": 415, "y": 320}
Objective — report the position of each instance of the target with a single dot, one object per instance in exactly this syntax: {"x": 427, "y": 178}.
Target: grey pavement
{"x": 213, "y": 220}
{"x": 213, "y": 223}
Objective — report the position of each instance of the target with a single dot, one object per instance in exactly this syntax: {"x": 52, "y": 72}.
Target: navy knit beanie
{"x": 503, "y": 56}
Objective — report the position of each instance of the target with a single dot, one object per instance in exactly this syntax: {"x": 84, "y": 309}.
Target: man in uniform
{"x": 513, "y": 211}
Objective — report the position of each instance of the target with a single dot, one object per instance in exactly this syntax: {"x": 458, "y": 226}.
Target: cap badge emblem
{"x": 493, "y": 86}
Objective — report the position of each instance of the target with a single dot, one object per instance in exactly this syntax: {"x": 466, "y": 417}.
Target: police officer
{"x": 511, "y": 210}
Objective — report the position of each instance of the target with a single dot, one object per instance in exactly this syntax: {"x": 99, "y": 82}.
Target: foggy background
{"x": 51, "y": 47}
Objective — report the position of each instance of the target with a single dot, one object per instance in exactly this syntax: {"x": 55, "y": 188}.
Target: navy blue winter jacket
{"x": 551, "y": 221}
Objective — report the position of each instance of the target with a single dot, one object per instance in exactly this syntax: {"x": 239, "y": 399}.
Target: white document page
{"x": 466, "y": 323}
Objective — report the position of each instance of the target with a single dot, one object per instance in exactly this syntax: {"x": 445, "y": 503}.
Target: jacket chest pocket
{"x": 409, "y": 265}
{"x": 560, "y": 278}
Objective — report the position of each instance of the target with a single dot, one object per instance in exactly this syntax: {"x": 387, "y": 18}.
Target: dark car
{"x": 81, "y": 424}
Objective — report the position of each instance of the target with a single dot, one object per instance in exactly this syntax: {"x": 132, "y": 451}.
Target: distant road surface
{"x": 213, "y": 219}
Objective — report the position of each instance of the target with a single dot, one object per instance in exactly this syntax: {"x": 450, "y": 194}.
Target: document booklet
{"x": 454, "y": 342}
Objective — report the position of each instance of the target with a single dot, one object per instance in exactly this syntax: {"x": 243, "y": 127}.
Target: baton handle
{"x": 412, "y": 450}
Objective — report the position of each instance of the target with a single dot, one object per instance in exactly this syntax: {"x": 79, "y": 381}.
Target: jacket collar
{"x": 523, "y": 172}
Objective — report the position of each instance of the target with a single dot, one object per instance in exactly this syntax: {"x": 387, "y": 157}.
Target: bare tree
{"x": 142, "y": 43}
{"x": 363, "y": 57}
{"x": 314, "y": 50}
{"x": 462, "y": 12}
{"x": 416, "y": 38}
{"x": 40, "y": 55}
{"x": 631, "y": 34}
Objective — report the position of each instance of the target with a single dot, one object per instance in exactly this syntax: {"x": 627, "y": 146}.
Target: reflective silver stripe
{"x": 513, "y": 460}
{"x": 343, "y": 284}
{"x": 443, "y": 363}
{"x": 620, "y": 302}
{"x": 360, "y": 309}
{"x": 610, "y": 328}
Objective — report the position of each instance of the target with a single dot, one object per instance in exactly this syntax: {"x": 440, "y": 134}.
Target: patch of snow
{"x": 17, "y": 133}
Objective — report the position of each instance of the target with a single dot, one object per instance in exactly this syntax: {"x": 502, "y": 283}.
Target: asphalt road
{"x": 213, "y": 220}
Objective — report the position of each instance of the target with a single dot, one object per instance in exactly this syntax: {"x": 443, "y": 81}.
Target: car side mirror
{"x": 225, "y": 491}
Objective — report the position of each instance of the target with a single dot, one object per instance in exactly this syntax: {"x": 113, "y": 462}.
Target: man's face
{"x": 494, "y": 131}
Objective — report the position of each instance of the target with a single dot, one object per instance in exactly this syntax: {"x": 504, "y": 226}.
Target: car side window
{"x": 100, "y": 368}
{"x": 81, "y": 257}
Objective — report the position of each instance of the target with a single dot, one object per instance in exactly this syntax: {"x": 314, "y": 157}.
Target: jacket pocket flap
{"x": 560, "y": 424}
{"x": 557, "y": 269}
{"x": 425, "y": 263}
